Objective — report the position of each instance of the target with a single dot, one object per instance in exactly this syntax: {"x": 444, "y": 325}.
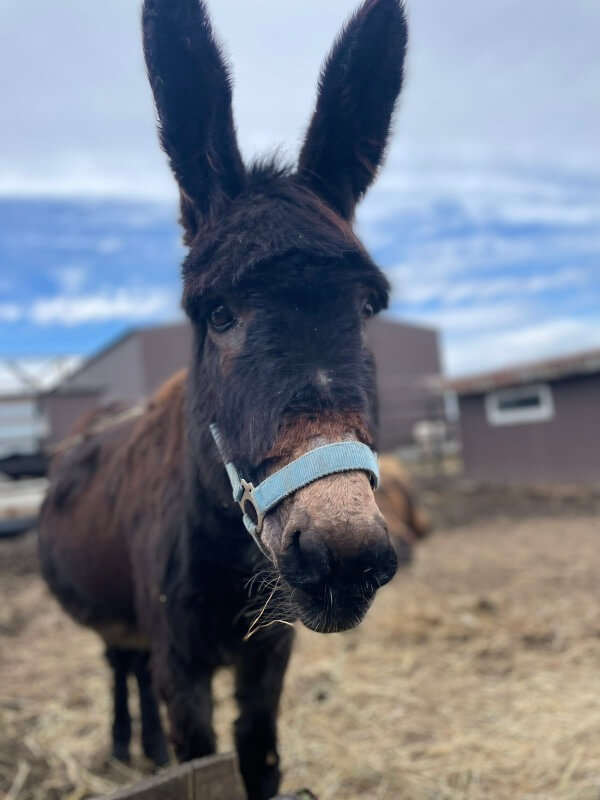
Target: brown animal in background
{"x": 406, "y": 522}
{"x": 140, "y": 537}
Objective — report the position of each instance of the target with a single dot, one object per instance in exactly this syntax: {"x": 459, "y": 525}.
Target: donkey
{"x": 140, "y": 537}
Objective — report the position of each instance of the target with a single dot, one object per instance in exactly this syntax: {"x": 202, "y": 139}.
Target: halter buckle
{"x": 256, "y": 515}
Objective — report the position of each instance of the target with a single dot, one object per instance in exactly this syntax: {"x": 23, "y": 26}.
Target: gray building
{"x": 127, "y": 370}
{"x": 408, "y": 379}
{"x": 132, "y": 367}
{"x": 534, "y": 423}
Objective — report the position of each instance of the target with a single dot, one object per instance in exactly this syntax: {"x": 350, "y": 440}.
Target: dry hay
{"x": 476, "y": 676}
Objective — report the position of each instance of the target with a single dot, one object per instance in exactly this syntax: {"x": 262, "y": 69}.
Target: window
{"x": 520, "y": 406}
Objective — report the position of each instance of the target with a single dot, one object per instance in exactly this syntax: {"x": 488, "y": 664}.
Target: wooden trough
{"x": 212, "y": 778}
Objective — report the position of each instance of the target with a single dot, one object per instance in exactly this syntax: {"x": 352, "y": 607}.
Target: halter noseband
{"x": 257, "y": 501}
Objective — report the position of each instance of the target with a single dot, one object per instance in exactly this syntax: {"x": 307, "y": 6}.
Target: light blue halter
{"x": 257, "y": 501}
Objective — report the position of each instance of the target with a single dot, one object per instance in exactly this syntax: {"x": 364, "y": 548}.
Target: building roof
{"x": 583, "y": 363}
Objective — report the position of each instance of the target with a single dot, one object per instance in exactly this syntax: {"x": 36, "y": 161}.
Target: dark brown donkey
{"x": 140, "y": 537}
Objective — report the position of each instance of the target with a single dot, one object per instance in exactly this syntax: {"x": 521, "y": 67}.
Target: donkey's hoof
{"x": 160, "y": 759}
{"x": 157, "y": 753}
{"x": 120, "y": 752}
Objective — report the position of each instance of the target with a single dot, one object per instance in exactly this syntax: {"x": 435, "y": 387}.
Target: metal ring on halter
{"x": 247, "y": 499}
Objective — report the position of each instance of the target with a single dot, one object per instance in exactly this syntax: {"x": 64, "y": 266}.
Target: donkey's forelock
{"x": 276, "y": 218}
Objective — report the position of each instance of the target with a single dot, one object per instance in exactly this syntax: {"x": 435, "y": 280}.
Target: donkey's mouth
{"x": 333, "y": 610}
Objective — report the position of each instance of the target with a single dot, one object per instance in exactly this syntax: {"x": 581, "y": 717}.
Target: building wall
{"x": 165, "y": 350}
{"x": 407, "y": 359}
{"x": 62, "y": 412}
{"x": 565, "y": 449}
{"x": 117, "y": 373}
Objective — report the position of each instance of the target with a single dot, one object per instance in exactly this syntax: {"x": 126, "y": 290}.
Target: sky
{"x": 486, "y": 216}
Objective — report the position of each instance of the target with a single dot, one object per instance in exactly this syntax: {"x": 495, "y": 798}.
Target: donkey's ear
{"x": 192, "y": 92}
{"x": 359, "y": 84}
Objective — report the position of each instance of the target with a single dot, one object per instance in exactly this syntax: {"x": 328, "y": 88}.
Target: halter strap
{"x": 257, "y": 501}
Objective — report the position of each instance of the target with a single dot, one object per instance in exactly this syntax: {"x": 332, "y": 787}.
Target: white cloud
{"x": 130, "y": 304}
{"x": 498, "y": 82}
{"x": 475, "y": 265}
{"x": 484, "y": 193}
{"x": 525, "y": 342}
{"x": 473, "y": 319}
{"x": 453, "y": 290}
{"x": 10, "y": 312}
{"x": 110, "y": 245}
{"x": 71, "y": 279}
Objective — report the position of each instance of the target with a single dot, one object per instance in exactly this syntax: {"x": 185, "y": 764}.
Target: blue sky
{"x": 80, "y": 270}
{"x": 487, "y": 216}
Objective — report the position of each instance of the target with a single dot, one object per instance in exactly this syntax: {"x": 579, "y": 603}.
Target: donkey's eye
{"x": 368, "y": 310}
{"x": 221, "y": 318}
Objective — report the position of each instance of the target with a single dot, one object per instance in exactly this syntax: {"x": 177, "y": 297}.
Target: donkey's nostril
{"x": 306, "y": 563}
{"x": 295, "y": 540}
{"x": 347, "y": 557}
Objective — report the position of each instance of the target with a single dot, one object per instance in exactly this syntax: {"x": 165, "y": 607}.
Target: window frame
{"x": 497, "y": 416}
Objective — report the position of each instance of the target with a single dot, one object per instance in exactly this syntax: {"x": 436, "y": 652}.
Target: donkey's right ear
{"x": 192, "y": 92}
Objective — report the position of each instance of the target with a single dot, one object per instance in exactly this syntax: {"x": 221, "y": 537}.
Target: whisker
{"x": 253, "y": 625}
{"x": 251, "y": 581}
{"x": 258, "y": 628}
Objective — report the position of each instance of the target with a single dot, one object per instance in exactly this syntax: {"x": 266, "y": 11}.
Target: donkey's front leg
{"x": 154, "y": 743}
{"x": 259, "y": 672}
{"x": 188, "y": 696}
{"x": 119, "y": 660}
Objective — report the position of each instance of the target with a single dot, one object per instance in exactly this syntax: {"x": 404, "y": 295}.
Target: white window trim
{"x": 519, "y": 416}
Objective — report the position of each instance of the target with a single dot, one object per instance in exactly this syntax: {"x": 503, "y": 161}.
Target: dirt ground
{"x": 475, "y": 676}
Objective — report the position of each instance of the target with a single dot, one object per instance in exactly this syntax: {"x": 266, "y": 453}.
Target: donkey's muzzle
{"x": 334, "y": 573}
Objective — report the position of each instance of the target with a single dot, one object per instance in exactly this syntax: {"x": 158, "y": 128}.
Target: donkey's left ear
{"x": 359, "y": 85}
